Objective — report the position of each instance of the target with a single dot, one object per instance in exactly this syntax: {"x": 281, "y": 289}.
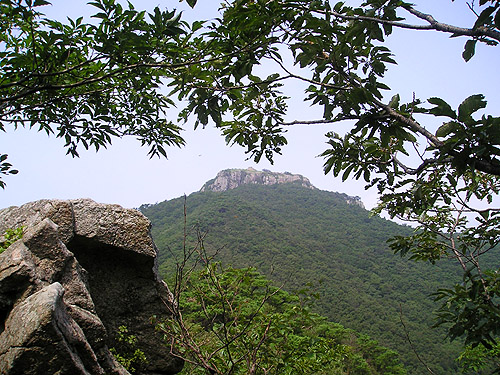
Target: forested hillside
{"x": 308, "y": 238}
{"x": 233, "y": 321}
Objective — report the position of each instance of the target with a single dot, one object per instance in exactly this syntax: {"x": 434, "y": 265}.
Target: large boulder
{"x": 81, "y": 271}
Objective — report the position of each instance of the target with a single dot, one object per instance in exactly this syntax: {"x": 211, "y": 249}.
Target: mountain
{"x": 323, "y": 241}
{"x": 233, "y": 178}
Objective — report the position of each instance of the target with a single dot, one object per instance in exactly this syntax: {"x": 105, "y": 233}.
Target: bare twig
{"x": 224, "y": 337}
{"x": 410, "y": 342}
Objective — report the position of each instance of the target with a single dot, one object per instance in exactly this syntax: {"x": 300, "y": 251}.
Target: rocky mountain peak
{"x": 232, "y": 178}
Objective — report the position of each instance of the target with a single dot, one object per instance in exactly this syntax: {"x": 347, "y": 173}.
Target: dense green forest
{"x": 308, "y": 238}
{"x": 233, "y": 321}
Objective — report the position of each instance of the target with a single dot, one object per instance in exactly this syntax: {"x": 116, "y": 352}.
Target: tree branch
{"x": 308, "y": 122}
{"x": 326, "y": 85}
{"x": 50, "y": 74}
{"x": 439, "y": 26}
{"x": 433, "y": 24}
{"x": 112, "y": 73}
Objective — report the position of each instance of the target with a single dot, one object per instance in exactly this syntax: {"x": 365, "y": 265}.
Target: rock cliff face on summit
{"x": 80, "y": 271}
{"x": 232, "y": 178}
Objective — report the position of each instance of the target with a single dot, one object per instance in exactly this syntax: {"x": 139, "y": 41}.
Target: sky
{"x": 429, "y": 64}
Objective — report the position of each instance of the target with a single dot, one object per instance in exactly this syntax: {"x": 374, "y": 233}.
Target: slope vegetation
{"x": 308, "y": 238}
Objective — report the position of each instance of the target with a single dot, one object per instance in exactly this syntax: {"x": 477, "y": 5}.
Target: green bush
{"x": 9, "y": 237}
{"x": 126, "y": 351}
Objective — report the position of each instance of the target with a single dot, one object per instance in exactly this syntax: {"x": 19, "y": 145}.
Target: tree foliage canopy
{"x": 89, "y": 82}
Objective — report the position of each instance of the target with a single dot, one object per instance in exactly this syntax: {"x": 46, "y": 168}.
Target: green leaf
{"x": 394, "y": 103}
{"x": 338, "y": 6}
{"x": 347, "y": 172}
{"x": 40, "y": 3}
{"x": 469, "y": 49}
{"x": 442, "y": 108}
{"x": 191, "y": 3}
{"x": 484, "y": 18}
{"x": 485, "y": 214}
{"x": 100, "y": 15}
{"x": 197, "y": 25}
{"x": 446, "y": 129}
{"x": 470, "y": 105}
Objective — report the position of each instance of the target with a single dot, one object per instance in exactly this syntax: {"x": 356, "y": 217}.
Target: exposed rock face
{"x": 80, "y": 271}
{"x": 353, "y": 200}
{"x": 232, "y": 178}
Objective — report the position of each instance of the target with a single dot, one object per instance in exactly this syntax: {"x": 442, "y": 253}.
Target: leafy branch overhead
{"x": 89, "y": 82}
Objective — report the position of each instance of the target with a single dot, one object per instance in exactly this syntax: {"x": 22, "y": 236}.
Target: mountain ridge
{"x": 311, "y": 238}
{"x": 229, "y": 179}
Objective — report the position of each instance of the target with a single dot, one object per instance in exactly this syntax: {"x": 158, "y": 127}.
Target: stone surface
{"x": 81, "y": 270}
{"x": 232, "y": 178}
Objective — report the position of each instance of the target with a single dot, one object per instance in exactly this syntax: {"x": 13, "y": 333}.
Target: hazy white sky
{"x": 429, "y": 64}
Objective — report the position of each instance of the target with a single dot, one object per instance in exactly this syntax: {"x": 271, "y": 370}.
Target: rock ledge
{"x": 81, "y": 270}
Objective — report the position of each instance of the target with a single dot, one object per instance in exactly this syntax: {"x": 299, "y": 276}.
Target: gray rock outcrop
{"x": 80, "y": 272}
{"x": 232, "y": 178}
